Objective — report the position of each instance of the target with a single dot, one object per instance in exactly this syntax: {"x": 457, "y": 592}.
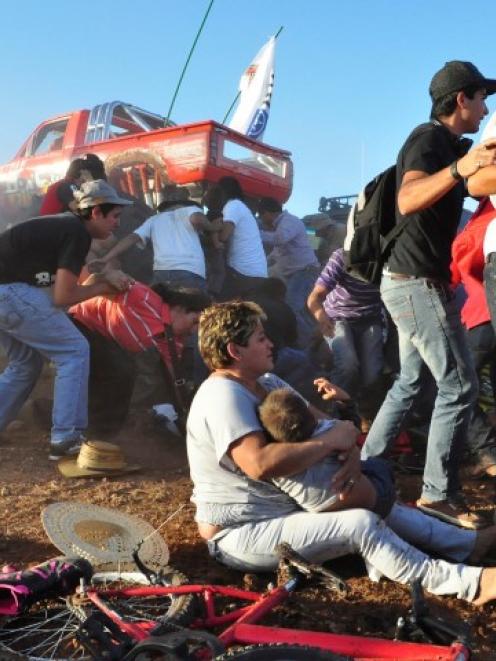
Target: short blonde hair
{"x": 222, "y": 323}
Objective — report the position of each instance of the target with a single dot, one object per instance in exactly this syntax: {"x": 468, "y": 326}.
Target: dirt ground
{"x": 29, "y": 482}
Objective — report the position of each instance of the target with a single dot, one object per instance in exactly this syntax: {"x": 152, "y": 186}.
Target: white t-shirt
{"x": 490, "y": 236}
{"x": 246, "y": 253}
{"x": 176, "y": 245}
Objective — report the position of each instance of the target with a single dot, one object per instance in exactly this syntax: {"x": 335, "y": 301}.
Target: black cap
{"x": 457, "y": 75}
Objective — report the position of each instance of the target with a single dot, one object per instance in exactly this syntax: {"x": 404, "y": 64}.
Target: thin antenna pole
{"x": 187, "y": 61}
{"x": 362, "y": 165}
{"x": 239, "y": 91}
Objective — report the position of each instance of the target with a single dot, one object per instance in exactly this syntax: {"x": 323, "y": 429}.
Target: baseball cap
{"x": 455, "y": 76}
{"x": 93, "y": 193}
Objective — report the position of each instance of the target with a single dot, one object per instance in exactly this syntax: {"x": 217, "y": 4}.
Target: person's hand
{"x": 326, "y": 326}
{"x": 341, "y": 439}
{"x": 96, "y": 265}
{"x": 118, "y": 279}
{"x": 349, "y": 474}
{"x": 328, "y": 390}
{"x": 479, "y": 157}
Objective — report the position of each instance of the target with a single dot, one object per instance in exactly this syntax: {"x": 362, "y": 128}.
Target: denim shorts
{"x": 381, "y": 475}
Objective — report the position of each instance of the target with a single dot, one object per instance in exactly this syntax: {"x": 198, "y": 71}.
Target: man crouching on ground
{"x": 33, "y": 325}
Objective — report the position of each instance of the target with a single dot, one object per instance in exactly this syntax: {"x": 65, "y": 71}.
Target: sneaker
{"x": 54, "y": 578}
{"x": 454, "y": 511}
{"x": 59, "y": 449}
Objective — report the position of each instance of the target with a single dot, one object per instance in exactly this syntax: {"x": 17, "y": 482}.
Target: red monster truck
{"x": 142, "y": 155}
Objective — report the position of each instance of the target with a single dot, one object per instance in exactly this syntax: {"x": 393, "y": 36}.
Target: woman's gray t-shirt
{"x": 222, "y": 412}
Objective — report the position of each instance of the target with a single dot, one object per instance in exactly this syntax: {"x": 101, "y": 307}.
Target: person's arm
{"x": 420, "y": 190}
{"x": 226, "y": 231}
{"x": 328, "y": 390}
{"x": 201, "y": 223}
{"x": 67, "y": 291}
{"x": 315, "y": 304}
{"x": 261, "y": 460}
{"x": 483, "y": 182}
{"x": 123, "y": 245}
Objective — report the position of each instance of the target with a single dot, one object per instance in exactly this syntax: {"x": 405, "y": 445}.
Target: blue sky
{"x": 351, "y": 77}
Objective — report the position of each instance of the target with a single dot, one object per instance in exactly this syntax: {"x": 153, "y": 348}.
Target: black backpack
{"x": 372, "y": 228}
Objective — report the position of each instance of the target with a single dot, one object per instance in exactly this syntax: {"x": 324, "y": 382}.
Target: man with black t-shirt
{"x": 431, "y": 168}
{"x": 33, "y": 326}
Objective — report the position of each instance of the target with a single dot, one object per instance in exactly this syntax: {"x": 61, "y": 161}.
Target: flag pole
{"x": 187, "y": 61}
{"x": 239, "y": 91}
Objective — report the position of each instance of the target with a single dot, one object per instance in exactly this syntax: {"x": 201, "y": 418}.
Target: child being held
{"x": 286, "y": 417}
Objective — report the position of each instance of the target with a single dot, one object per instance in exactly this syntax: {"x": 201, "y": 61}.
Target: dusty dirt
{"x": 29, "y": 482}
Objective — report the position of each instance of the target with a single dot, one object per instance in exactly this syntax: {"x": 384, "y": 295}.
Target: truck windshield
{"x": 233, "y": 151}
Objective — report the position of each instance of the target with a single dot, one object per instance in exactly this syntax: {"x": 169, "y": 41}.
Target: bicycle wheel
{"x": 48, "y": 629}
{"x": 176, "y": 610}
{"x": 281, "y": 653}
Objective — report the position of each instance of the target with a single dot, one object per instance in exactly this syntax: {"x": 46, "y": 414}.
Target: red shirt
{"x": 467, "y": 266}
{"x": 57, "y": 197}
{"x": 135, "y": 319}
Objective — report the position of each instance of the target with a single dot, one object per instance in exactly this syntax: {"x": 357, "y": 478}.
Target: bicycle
{"x": 175, "y": 620}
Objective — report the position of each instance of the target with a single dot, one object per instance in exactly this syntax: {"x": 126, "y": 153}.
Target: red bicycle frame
{"x": 243, "y": 630}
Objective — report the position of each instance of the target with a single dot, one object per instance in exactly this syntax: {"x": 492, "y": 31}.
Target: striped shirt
{"x": 135, "y": 319}
{"x": 348, "y": 298}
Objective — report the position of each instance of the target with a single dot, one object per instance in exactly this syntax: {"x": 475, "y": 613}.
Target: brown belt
{"x": 400, "y": 276}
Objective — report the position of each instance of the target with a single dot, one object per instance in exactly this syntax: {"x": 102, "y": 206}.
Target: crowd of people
{"x": 291, "y": 351}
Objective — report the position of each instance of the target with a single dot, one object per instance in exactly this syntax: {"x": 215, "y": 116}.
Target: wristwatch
{"x": 454, "y": 171}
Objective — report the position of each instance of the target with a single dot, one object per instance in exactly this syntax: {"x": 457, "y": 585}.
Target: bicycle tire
{"x": 178, "y": 610}
{"x": 281, "y": 652}
{"x": 48, "y": 629}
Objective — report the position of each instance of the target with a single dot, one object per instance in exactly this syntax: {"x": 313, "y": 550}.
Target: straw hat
{"x": 96, "y": 459}
{"x": 101, "y": 535}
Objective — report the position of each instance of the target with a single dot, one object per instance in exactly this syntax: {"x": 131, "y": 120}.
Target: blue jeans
{"x": 33, "y": 329}
{"x": 299, "y": 285}
{"x": 180, "y": 278}
{"x": 481, "y": 436}
{"x": 387, "y": 546}
{"x": 430, "y": 334}
{"x": 357, "y": 353}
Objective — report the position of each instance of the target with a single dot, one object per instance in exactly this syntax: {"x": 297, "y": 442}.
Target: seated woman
{"x": 118, "y": 328}
{"x": 243, "y": 516}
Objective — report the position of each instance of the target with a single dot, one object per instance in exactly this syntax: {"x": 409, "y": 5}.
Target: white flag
{"x": 256, "y": 86}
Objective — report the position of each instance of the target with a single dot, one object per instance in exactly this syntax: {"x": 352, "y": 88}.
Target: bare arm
{"x": 315, "y": 304}
{"x": 261, "y": 460}
{"x": 226, "y": 231}
{"x": 201, "y": 223}
{"x": 483, "y": 182}
{"x": 67, "y": 291}
{"x": 420, "y": 190}
{"x": 120, "y": 247}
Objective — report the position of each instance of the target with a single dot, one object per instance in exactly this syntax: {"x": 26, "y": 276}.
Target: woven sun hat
{"x": 105, "y": 537}
{"x": 96, "y": 459}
